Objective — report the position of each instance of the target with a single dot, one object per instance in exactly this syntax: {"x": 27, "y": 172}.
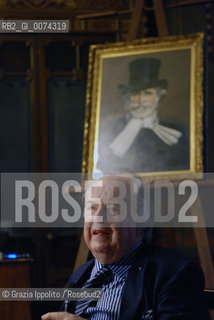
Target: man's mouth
{"x": 142, "y": 107}
{"x": 101, "y": 232}
{"x": 134, "y": 106}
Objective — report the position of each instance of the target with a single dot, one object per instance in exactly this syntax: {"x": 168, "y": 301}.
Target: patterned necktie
{"x": 103, "y": 276}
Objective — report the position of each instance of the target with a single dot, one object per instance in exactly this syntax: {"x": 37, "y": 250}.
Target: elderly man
{"x": 140, "y": 281}
{"x": 138, "y": 139}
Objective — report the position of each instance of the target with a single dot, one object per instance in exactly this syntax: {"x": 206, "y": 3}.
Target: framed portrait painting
{"x": 144, "y": 107}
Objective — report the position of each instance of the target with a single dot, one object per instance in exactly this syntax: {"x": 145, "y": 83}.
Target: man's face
{"x": 142, "y": 104}
{"x": 106, "y": 240}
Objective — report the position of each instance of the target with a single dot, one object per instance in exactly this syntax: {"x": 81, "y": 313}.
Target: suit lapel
{"x": 132, "y": 294}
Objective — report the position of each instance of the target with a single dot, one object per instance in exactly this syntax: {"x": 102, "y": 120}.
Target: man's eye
{"x": 148, "y": 93}
{"x": 114, "y": 209}
{"x": 92, "y": 208}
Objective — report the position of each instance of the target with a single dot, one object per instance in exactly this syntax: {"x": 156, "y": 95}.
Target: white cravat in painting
{"x": 121, "y": 144}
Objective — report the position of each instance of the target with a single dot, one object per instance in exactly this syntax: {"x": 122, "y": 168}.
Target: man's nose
{"x": 142, "y": 98}
{"x": 102, "y": 211}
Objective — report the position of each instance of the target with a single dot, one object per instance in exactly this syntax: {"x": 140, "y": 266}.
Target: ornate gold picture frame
{"x": 144, "y": 107}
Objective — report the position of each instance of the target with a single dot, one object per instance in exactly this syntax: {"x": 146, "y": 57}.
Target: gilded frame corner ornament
{"x": 181, "y": 60}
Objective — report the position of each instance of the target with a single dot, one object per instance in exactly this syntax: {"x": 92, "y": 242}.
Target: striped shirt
{"x": 108, "y": 307}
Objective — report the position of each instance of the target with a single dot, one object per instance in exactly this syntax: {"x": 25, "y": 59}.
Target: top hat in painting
{"x": 144, "y": 74}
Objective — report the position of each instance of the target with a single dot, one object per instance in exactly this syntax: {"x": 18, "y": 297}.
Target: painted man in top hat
{"x": 138, "y": 140}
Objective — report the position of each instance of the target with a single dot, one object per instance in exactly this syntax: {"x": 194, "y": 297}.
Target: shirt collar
{"x": 121, "y": 266}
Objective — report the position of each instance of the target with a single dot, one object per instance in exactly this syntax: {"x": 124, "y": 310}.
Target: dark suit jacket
{"x": 162, "y": 284}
